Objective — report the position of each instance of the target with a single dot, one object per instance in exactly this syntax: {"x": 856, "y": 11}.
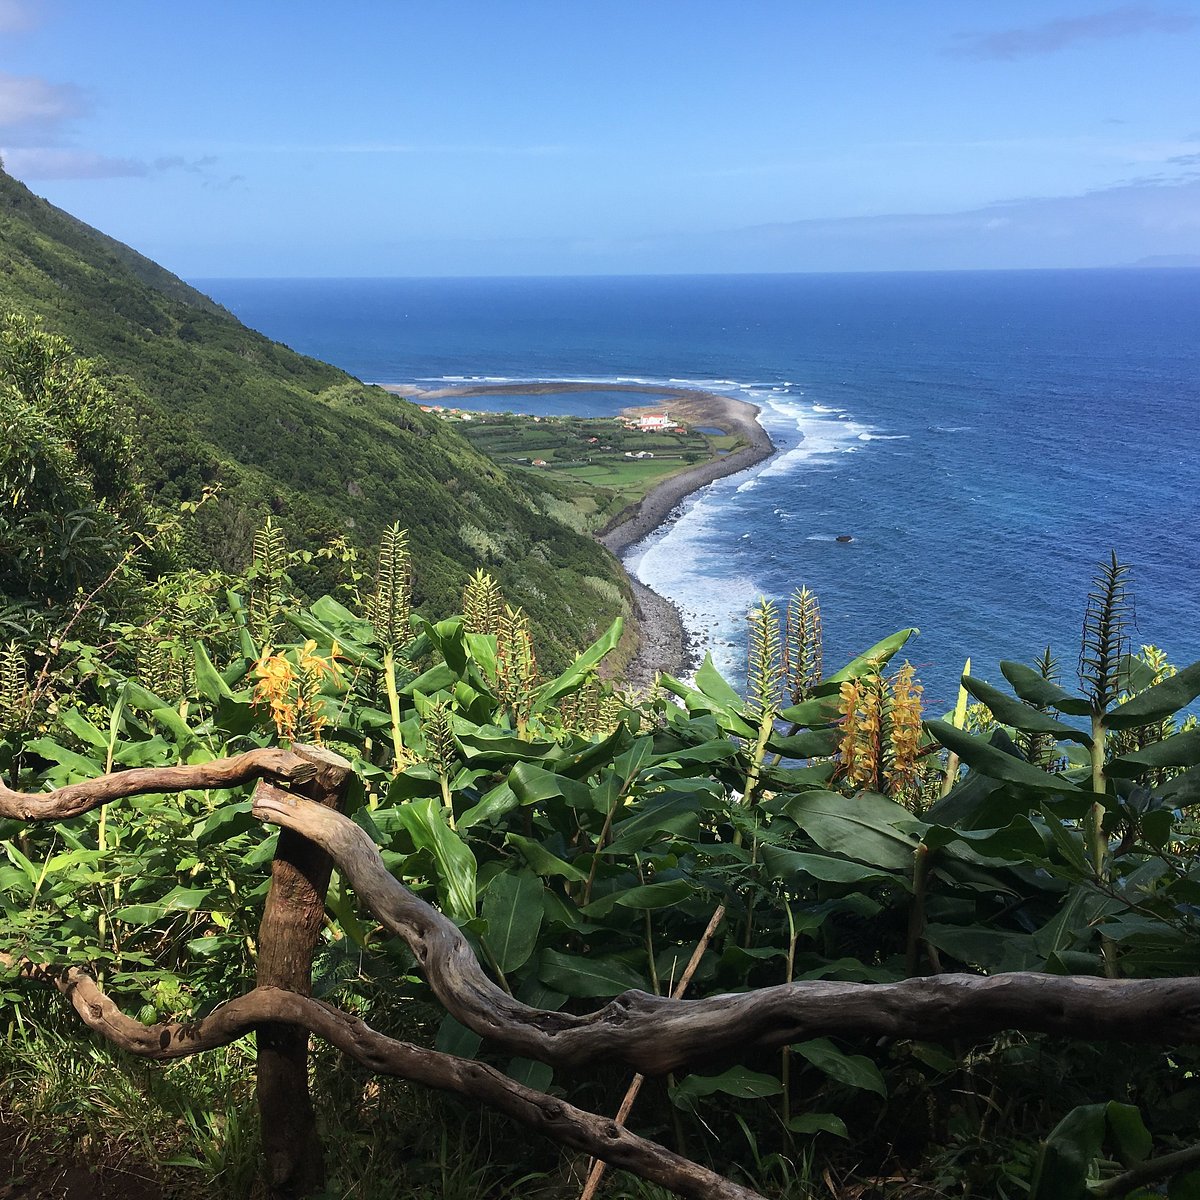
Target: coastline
{"x": 662, "y": 638}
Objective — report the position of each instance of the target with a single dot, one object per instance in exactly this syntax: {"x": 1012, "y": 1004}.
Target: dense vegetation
{"x": 216, "y": 405}
{"x": 583, "y": 842}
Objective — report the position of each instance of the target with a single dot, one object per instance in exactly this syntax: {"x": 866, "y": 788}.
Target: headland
{"x": 662, "y": 639}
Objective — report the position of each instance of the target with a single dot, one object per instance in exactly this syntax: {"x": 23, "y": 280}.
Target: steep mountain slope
{"x": 216, "y": 402}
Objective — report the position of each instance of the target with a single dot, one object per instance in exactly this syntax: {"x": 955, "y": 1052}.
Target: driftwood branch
{"x": 563, "y": 1123}
{"x": 287, "y": 938}
{"x": 78, "y": 798}
{"x": 1152, "y": 1169}
{"x": 653, "y": 1034}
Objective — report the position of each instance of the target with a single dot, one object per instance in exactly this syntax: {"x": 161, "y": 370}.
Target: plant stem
{"x": 596, "y": 1174}
{"x": 916, "y": 909}
{"x": 1097, "y": 839}
{"x": 389, "y": 676}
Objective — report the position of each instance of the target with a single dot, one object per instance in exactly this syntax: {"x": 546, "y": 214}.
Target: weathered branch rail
{"x": 286, "y": 766}
{"x": 650, "y": 1034}
{"x": 655, "y": 1034}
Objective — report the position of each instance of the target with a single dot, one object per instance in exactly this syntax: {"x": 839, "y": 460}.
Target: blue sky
{"x": 476, "y": 137}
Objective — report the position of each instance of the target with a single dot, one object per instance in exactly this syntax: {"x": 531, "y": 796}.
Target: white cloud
{"x": 52, "y": 162}
{"x": 17, "y": 16}
{"x": 29, "y": 103}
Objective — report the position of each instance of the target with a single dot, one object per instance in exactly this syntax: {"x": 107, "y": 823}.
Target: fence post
{"x": 291, "y": 924}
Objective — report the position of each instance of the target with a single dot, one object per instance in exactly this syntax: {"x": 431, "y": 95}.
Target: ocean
{"x": 985, "y": 438}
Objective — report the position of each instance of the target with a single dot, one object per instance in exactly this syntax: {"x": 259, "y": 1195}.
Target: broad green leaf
{"x": 657, "y": 895}
{"x": 530, "y": 1073}
{"x": 425, "y": 822}
{"x": 980, "y": 755}
{"x": 654, "y": 819}
{"x": 993, "y": 949}
{"x": 1018, "y": 841}
{"x": 576, "y": 675}
{"x": 1159, "y": 702}
{"x": 225, "y": 823}
{"x": 1184, "y": 1187}
{"x": 1067, "y": 1154}
{"x": 815, "y": 743}
{"x": 178, "y": 899}
{"x": 209, "y": 682}
{"x": 647, "y": 896}
{"x": 82, "y": 767}
{"x": 1020, "y": 716}
{"x": 149, "y": 752}
{"x": 878, "y": 656}
{"x": 206, "y": 947}
{"x": 83, "y": 729}
{"x": 1179, "y": 750}
{"x": 1042, "y": 693}
{"x": 1073, "y": 927}
{"x": 714, "y": 685}
{"x": 439, "y": 678}
{"x": 449, "y": 637}
{"x": 534, "y": 785}
{"x": 492, "y": 744}
{"x": 543, "y": 861}
{"x": 819, "y": 1123}
{"x": 495, "y": 803}
{"x": 866, "y": 827}
{"x": 787, "y": 864}
{"x": 737, "y": 1081}
{"x": 237, "y": 606}
{"x": 1069, "y": 841}
{"x": 706, "y": 752}
{"x": 512, "y": 907}
{"x": 819, "y": 710}
{"x": 934, "y": 1056}
{"x": 856, "y": 1070}
{"x": 456, "y": 1039}
{"x": 147, "y": 702}
{"x": 483, "y": 650}
{"x": 594, "y": 976}
{"x": 327, "y": 622}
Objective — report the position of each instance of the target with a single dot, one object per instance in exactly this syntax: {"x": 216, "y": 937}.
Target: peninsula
{"x": 662, "y": 641}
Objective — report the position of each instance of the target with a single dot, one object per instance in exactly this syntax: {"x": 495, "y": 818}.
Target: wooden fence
{"x": 302, "y": 791}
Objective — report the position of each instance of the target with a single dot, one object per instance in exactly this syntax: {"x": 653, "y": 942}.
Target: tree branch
{"x": 78, "y": 798}
{"x": 653, "y": 1034}
{"x": 561, "y": 1122}
{"x": 1145, "y": 1172}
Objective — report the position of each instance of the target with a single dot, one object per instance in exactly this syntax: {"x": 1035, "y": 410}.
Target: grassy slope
{"x": 217, "y": 402}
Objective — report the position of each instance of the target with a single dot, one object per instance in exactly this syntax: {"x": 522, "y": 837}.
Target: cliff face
{"x": 215, "y": 402}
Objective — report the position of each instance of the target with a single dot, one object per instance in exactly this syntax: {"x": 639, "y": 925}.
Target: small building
{"x": 539, "y": 462}
{"x": 655, "y": 421}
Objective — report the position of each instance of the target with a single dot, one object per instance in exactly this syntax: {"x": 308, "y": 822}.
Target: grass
{"x": 75, "y": 1113}
{"x": 591, "y": 455}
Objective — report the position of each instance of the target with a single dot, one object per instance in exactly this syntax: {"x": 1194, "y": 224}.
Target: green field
{"x": 592, "y": 455}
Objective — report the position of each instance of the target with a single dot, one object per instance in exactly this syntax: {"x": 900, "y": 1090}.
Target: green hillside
{"x": 216, "y": 402}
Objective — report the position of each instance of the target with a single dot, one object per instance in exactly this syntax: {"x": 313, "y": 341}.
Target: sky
{"x": 268, "y": 138}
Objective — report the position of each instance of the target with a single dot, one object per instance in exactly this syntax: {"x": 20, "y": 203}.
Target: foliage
{"x": 583, "y": 842}
{"x": 216, "y": 405}
{"x": 71, "y": 499}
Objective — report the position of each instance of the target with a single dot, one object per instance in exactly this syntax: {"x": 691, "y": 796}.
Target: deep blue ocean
{"x": 985, "y": 437}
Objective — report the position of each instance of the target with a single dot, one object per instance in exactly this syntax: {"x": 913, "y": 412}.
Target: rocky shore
{"x": 662, "y": 637}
